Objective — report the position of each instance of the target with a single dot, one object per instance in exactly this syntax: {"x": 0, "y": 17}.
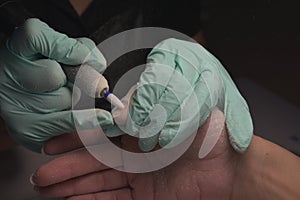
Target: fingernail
{"x": 31, "y": 180}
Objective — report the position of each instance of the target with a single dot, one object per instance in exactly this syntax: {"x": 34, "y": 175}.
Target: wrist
{"x": 267, "y": 171}
{"x": 248, "y": 181}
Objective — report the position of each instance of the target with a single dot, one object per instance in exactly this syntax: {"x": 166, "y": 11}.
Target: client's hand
{"x": 78, "y": 175}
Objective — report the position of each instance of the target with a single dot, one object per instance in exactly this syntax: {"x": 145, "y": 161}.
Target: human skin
{"x": 80, "y": 6}
{"x": 265, "y": 171}
{"x": 187, "y": 178}
{"x": 272, "y": 173}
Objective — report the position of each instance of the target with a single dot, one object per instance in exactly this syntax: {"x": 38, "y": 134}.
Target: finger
{"x": 87, "y": 42}
{"x": 120, "y": 116}
{"x": 113, "y": 131}
{"x": 122, "y": 194}
{"x": 41, "y": 39}
{"x": 90, "y": 183}
{"x": 207, "y": 89}
{"x": 62, "y": 143}
{"x": 152, "y": 84}
{"x": 95, "y": 58}
{"x": 71, "y": 141}
{"x": 146, "y": 116}
{"x": 41, "y": 75}
{"x": 182, "y": 68}
{"x": 174, "y": 101}
{"x": 67, "y": 167}
{"x": 151, "y": 87}
{"x": 191, "y": 114}
{"x": 238, "y": 122}
{"x": 148, "y": 144}
{"x": 237, "y": 115}
{"x": 70, "y": 121}
{"x": 55, "y": 101}
{"x": 42, "y": 127}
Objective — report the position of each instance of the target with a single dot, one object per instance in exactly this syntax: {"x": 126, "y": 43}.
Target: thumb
{"x": 69, "y": 121}
{"x": 39, "y": 76}
{"x": 36, "y": 129}
{"x": 238, "y": 122}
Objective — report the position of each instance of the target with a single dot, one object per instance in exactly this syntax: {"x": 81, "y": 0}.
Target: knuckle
{"x": 30, "y": 27}
{"x": 87, "y": 42}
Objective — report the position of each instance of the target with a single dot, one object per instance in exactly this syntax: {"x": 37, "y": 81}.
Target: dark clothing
{"x": 183, "y": 16}
{"x": 103, "y": 19}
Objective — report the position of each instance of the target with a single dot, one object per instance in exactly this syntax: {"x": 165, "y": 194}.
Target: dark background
{"x": 258, "y": 39}
{"x": 258, "y": 43}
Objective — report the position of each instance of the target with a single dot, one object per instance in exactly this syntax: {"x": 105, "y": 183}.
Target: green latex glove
{"x": 35, "y": 99}
{"x": 171, "y": 64}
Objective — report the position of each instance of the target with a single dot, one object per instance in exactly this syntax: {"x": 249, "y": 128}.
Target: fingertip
{"x": 148, "y": 144}
{"x": 104, "y": 118}
{"x": 93, "y": 55}
{"x": 164, "y": 140}
{"x": 113, "y": 131}
{"x": 169, "y": 139}
{"x": 87, "y": 42}
{"x": 144, "y": 146}
{"x": 241, "y": 133}
{"x": 46, "y": 76}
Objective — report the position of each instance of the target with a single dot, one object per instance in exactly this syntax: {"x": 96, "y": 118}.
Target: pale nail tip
{"x": 202, "y": 154}
{"x": 31, "y": 180}
{"x": 114, "y": 100}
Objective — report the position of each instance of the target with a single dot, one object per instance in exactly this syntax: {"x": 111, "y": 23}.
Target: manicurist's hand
{"x": 180, "y": 86}
{"x": 35, "y": 101}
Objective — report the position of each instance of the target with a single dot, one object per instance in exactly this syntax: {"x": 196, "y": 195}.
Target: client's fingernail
{"x": 31, "y": 180}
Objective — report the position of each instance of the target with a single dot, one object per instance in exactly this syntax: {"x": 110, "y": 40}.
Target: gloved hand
{"x": 35, "y": 100}
{"x": 176, "y": 70}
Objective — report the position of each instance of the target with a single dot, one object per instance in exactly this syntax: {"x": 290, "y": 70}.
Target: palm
{"x": 189, "y": 177}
